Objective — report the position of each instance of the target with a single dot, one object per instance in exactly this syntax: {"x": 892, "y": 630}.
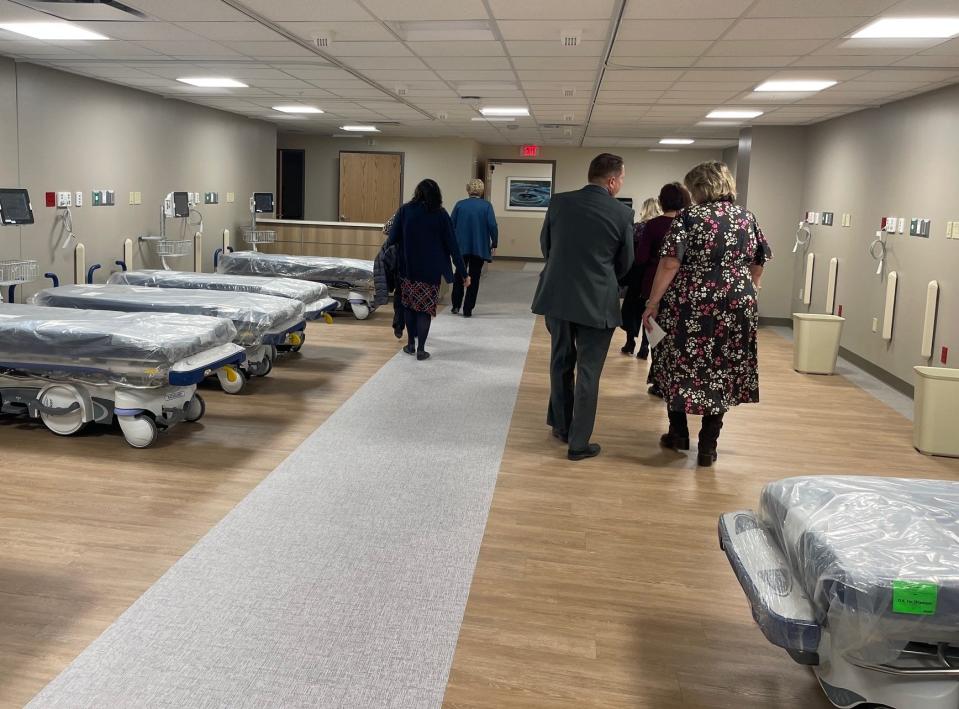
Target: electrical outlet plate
{"x": 64, "y": 199}
{"x": 133, "y": 199}
{"x": 78, "y": 199}
{"x": 137, "y": 198}
{"x": 875, "y": 324}
{"x": 211, "y": 198}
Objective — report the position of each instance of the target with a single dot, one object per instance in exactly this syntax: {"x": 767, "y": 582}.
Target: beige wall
{"x": 518, "y": 231}
{"x": 775, "y": 186}
{"x": 897, "y": 160}
{"x": 78, "y": 134}
{"x": 449, "y": 161}
{"x": 646, "y": 173}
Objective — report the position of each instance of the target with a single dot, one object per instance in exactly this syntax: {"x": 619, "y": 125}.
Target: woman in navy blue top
{"x": 423, "y": 234}
{"x": 477, "y": 235}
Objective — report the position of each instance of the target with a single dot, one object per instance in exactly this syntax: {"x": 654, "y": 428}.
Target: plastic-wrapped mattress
{"x": 877, "y": 557}
{"x": 355, "y": 274}
{"x": 104, "y": 345}
{"x": 314, "y": 296}
{"x": 258, "y": 319}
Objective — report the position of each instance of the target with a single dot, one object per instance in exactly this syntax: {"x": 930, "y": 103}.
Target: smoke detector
{"x": 571, "y": 38}
{"x": 323, "y": 40}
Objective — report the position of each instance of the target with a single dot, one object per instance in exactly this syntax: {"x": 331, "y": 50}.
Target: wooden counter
{"x": 339, "y": 239}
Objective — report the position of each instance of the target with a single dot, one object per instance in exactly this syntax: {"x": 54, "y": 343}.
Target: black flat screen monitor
{"x": 263, "y": 202}
{"x": 15, "y": 207}
{"x": 181, "y": 204}
{"x": 628, "y": 201}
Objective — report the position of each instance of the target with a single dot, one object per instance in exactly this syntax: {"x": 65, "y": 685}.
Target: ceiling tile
{"x": 794, "y": 28}
{"x": 927, "y": 61}
{"x": 819, "y": 8}
{"x": 652, "y": 62}
{"x": 573, "y": 64}
{"x": 142, "y": 30}
{"x": 393, "y": 63}
{"x": 783, "y": 47}
{"x": 549, "y": 30}
{"x": 116, "y": 50}
{"x": 477, "y": 75}
{"x": 465, "y": 63}
{"x": 422, "y": 10}
{"x": 369, "y": 49}
{"x": 557, "y": 75}
{"x": 745, "y": 62}
{"x": 191, "y": 50}
{"x": 236, "y": 31}
{"x": 307, "y": 10}
{"x": 671, "y": 29}
{"x": 653, "y": 48}
{"x": 829, "y": 60}
{"x": 341, "y": 31}
{"x": 457, "y": 49}
{"x": 177, "y": 10}
{"x": 556, "y": 9}
{"x": 685, "y": 9}
{"x": 554, "y": 49}
{"x": 269, "y": 49}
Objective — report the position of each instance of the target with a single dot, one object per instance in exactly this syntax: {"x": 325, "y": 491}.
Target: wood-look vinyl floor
{"x": 601, "y": 583}
{"x": 88, "y": 524}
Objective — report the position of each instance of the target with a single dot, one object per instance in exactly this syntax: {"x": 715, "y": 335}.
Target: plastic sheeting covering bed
{"x": 314, "y": 296}
{"x": 348, "y": 273}
{"x": 105, "y": 345}
{"x": 258, "y": 319}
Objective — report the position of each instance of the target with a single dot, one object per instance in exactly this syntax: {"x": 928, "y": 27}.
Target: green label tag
{"x": 915, "y": 597}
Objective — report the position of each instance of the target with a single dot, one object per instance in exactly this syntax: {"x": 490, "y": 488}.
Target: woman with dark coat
{"x": 423, "y": 234}
{"x": 704, "y": 298}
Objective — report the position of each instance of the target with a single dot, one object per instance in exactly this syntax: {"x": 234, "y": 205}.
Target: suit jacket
{"x": 587, "y": 241}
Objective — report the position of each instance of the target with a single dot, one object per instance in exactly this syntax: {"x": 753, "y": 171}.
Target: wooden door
{"x": 371, "y": 186}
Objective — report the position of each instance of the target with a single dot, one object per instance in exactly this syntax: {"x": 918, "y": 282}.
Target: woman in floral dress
{"x": 704, "y": 298}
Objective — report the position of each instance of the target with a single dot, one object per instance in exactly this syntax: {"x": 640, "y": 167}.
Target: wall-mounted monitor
{"x": 263, "y": 202}
{"x": 15, "y": 206}
{"x": 181, "y": 204}
{"x": 628, "y": 201}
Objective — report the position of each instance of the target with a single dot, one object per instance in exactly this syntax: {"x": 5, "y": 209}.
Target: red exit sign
{"x": 529, "y": 151}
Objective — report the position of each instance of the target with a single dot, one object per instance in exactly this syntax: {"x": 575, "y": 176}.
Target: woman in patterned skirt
{"x": 423, "y": 233}
{"x": 704, "y": 298}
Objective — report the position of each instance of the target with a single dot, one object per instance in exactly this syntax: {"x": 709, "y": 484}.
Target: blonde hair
{"x": 475, "y": 187}
{"x": 650, "y": 209}
{"x": 711, "y": 181}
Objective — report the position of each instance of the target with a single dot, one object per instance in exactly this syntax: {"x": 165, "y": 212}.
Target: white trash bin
{"x": 816, "y": 342}
{"x": 936, "y": 411}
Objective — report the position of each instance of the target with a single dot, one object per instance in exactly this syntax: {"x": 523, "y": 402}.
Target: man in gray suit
{"x": 587, "y": 241}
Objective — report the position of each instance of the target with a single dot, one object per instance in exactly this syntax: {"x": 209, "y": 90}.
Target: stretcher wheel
{"x": 231, "y": 379}
{"x": 361, "y": 311}
{"x": 194, "y": 409}
{"x": 140, "y": 431}
{"x": 262, "y": 368}
{"x": 61, "y": 397}
{"x": 297, "y": 341}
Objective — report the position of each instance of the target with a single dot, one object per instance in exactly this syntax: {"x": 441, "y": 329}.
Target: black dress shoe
{"x": 409, "y": 350}
{"x": 468, "y": 314}
{"x": 591, "y": 451}
{"x": 398, "y": 333}
{"x": 706, "y": 458}
{"x": 455, "y": 311}
{"x": 655, "y": 391}
{"x": 564, "y": 437}
{"x": 422, "y": 354}
{"x": 642, "y": 355}
{"x": 674, "y": 442}
{"x": 627, "y": 349}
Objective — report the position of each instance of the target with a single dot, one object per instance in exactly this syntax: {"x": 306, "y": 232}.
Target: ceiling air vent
{"x": 402, "y": 91}
{"x": 323, "y": 40}
{"x": 568, "y": 92}
{"x": 89, "y": 10}
{"x": 571, "y": 38}
{"x": 569, "y": 117}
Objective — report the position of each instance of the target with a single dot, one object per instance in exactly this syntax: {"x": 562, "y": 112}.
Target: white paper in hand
{"x": 655, "y": 334}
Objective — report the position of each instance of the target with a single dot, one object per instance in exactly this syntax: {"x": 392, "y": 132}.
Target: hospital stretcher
{"x": 350, "y": 280}
{"x": 70, "y": 368}
{"x": 317, "y": 303}
{"x": 858, "y": 578}
{"x": 262, "y": 322}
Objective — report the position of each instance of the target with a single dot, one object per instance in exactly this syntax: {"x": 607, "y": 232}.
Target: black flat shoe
{"x": 564, "y": 437}
{"x": 642, "y": 355}
{"x": 398, "y": 333}
{"x": 592, "y": 450}
{"x": 409, "y": 350}
{"x": 654, "y": 391}
{"x": 422, "y": 355}
{"x": 674, "y": 442}
{"x": 455, "y": 311}
{"x": 627, "y": 350}
{"x": 467, "y": 315}
{"x": 706, "y": 458}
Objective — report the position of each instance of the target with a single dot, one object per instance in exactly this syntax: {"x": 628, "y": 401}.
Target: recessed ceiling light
{"x": 676, "y": 141}
{"x": 494, "y": 119}
{"x": 213, "y": 82}
{"x": 799, "y": 86}
{"x": 910, "y": 27}
{"x": 50, "y": 30}
{"x": 723, "y": 113}
{"x": 298, "y": 109}
{"x": 500, "y": 111}
{"x": 360, "y": 129}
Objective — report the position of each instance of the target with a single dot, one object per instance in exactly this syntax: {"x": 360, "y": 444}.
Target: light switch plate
{"x": 78, "y": 199}
{"x": 230, "y": 197}
{"x": 64, "y": 199}
{"x": 902, "y": 224}
{"x": 137, "y": 198}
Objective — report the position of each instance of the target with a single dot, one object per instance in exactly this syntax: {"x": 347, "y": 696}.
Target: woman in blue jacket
{"x": 477, "y": 236}
{"x": 423, "y": 234}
